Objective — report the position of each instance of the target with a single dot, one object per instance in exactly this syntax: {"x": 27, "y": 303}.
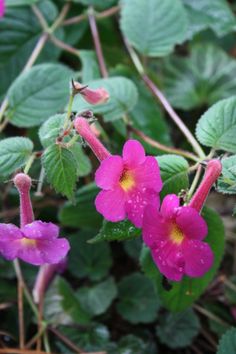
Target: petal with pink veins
{"x": 111, "y": 204}
{"x": 133, "y": 153}
{"x": 169, "y": 206}
{"x": 191, "y": 223}
{"x": 147, "y": 175}
{"x": 40, "y": 230}
{"x": 109, "y": 172}
{"x": 198, "y": 257}
{"x": 154, "y": 227}
{"x": 137, "y": 201}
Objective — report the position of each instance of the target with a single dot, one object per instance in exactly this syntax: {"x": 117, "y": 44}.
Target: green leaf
{"x": 82, "y": 212}
{"x": 153, "y": 27}
{"x": 60, "y": 168}
{"x": 180, "y": 327}
{"x": 217, "y": 127}
{"x": 96, "y": 300}
{"x": 14, "y": 154}
{"x": 216, "y": 15}
{"x": 184, "y": 293}
{"x": 138, "y": 302}
{"x": 116, "y": 231}
{"x": 90, "y": 68}
{"x": 85, "y": 260}
{"x": 227, "y": 344}
{"x": 22, "y": 30}
{"x": 51, "y": 129}
{"x": 62, "y": 306}
{"x": 38, "y": 93}
{"x": 174, "y": 173}
{"x": 203, "y": 78}
{"x": 12, "y": 3}
{"x": 83, "y": 164}
{"x": 131, "y": 344}
{"x": 100, "y": 4}
{"x": 123, "y": 97}
{"x": 227, "y": 181}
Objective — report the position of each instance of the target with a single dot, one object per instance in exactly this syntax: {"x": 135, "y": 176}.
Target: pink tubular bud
{"x": 23, "y": 184}
{"x": 2, "y": 8}
{"x": 213, "y": 171}
{"x": 83, "y": 128}
{"x": 45, "y": 276}
{"x": 96, "y": 96}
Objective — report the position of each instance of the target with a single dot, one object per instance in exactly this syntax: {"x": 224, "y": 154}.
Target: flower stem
{"x": 97, "y": 42}
{"x": 69, "y": 110}
{"x": 23, "y": 184}
{"x": 163, "y": 100}
{"x": 29, "y": 163}
{"x": 195, "y": 182}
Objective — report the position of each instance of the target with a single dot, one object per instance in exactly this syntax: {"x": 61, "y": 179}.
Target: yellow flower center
{"x": 28, "y": 242}
{"x": 127, "y": 181}
{"x": 176, "y": 235}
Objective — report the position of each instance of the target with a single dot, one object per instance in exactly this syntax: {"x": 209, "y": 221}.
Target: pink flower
{"x": 129, "y": 183}
{"x": 175, "y": 236}
{"x": 2, "y": 8}
{"x": 36, "y": 243}
{"x": 97, "y": 96}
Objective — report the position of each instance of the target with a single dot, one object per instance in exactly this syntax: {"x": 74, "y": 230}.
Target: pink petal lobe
{"x": 169, "y": 259}
{"x": 191, "y": 223}
{"x": 169, "y": 206}
{"x": 109, "y": 172}
{"x": 9, "y": 240}
{"x": 154, "y": 227}
{"x": 198, "y": 257}
{"x": 147, "y": 175}
{"x": 41, "y": 230}
{"x": 133, "y": 153}
{"x": 2, "y": 7}
{"x": 111, "y": 204}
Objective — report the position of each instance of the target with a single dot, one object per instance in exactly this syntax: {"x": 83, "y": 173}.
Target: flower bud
{"x": 96, "y": 96}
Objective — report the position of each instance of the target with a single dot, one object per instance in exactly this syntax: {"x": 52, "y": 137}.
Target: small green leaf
{"x": 12, "y": 3}
{"x": 96, "y": 300}
{"x": 14, "y": 154}
{"x": 227, "y": 181}
{"x": 174, "y": 173}
{"x": 123, "y": 97}
{"x": 62, "y": 306}
{"x": 185, "y": 292}
{"x": 90, "y": 68}
{"x": 85, "y": 260}
{"x": 51, "y": 129}
{"x": 217, "y": 127}
{"x": 131, "y": 344}
{"x": 116, "y": 231}
{"x": 138, "y": 302}
{"x": 205, "y": 77}
{"x": 60, "y": 168}
{"x": 227, "y": 343}
{"x": 82, "y": 211}
{"x": 180, "y": 327}
{"x": 38, "y": 93}
{"x": 153, "y": 27}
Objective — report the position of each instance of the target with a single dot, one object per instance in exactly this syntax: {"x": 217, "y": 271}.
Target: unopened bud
{"x": 92, "y": 96}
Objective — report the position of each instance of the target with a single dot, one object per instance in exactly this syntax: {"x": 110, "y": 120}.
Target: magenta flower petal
{"x": 198, "y": 257}
{"x": 169, "y": 259}
{"x": 137, "y": 202}
{"x": 169, "y": 206}
{"x": 44, "y": 251}
{"x": 109, "y": 172}
{"x": 2, "y": 7}
{"x": 191, "y": 223}
{"x": 40, "y": 230}
{"x": 154, "y": 226}
{"x": 111, "y": 204}
{"x": 147, "y": 175}
{"x": 9, "y": 236}
{"x": 133, "y": 153}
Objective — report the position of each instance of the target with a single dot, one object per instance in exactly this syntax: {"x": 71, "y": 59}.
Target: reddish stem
{"x": 23, "y": 185}
{"x": 83, "y": 128}
{"x": 213, "y": 171}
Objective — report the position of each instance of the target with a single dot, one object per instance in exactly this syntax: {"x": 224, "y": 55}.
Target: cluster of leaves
{"x": 104, "y": 301}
